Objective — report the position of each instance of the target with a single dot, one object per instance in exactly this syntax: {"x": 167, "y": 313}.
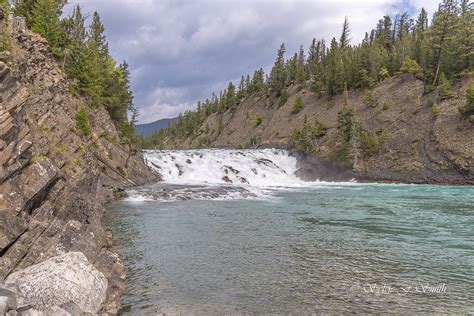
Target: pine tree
{"x": 278, "y": 75}
{"x": 465, "y": 36}
{"x": 24, "y": 8}
{"x": 334, "y": 69}
{"x": 345, "y": 40}
{"x": 76, "y": 51}
{"x": 98, "y": 59}
{"x": 44, "y": 17}
{"x": 241, "y": 90}
{"x": 444, "y": 22}
{"x": 230, "y": 98}
{"x": 291, "y": 69}
{"x": 420, "y": 45}
{"x": 300, "y": 67}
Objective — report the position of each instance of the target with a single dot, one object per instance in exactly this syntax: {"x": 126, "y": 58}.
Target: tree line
{"x": 436, "y": 52}
{"x": 83, "y": 52}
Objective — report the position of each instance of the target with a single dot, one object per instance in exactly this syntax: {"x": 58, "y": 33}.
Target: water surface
{"x": 328, "y": 248}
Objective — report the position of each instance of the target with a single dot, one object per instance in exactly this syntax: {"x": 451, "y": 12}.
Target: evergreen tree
{"x": 241, "y": 90}
{"x": 230, "y": 98}
{"x": 99, "y": 65}
{"x": 44, "y": 19}
{"x": 300, "y": 67}
{"x": 465, "y": 36}
{"x": 278, "y": 75}
{"x": 77, "y": 53}
{"x": 24, "y": 8}
{"x": 444, "y": 22}
{"x": 345, "y": 40}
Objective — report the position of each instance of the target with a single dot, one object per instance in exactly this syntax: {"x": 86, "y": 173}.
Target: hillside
{"x": 399, "y": 106}
{"x": 407, "y": 140}
{"x": 153, "y": 127}
{"x": 60, "y": 161}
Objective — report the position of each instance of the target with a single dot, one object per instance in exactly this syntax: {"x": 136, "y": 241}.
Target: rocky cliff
{"x": 54, "y": 180}
{"x": 404, "y": 132}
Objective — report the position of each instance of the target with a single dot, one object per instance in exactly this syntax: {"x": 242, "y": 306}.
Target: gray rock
{"x": 7, "y": 301}
{"x": 60, "y": 280}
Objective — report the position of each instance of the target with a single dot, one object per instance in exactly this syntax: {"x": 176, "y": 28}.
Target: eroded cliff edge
{"x": 53, "y": 180}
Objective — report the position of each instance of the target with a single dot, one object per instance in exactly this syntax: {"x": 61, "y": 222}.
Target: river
{"x": 235, "y": 232}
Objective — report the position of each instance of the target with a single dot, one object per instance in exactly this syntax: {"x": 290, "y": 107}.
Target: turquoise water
{"x": 329, "y": 249}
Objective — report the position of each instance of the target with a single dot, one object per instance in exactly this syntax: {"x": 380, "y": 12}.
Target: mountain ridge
{"x": 149, "y": 128}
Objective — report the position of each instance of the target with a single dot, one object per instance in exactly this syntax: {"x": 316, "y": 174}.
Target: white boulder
{"x": 60, "y": 280}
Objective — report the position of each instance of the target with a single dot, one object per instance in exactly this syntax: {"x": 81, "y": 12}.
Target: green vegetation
{"x": 258, "y": 121}
{"x": 283, "y": 97}
{"x": 371, "y": 144}
{"x": 82, "y": 122}
{"x": 253, "y": 141}
{"x": 444, "y": 88}
{"x": 436, "y": 110}
{"x": 345, "y": 124}
{"x": 298, "y": 105}
{"x": 468, "y": 108}
{"x": 411, "y": 67}
{"x": 4, "y": 40}
{"x": 437, "y": 51}
{"x": 84, "y": 54}
{"x": 305, "y": 138}
{"x": 368, "y": 99}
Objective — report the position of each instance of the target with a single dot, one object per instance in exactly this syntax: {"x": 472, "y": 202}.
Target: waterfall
{"x": 257, "y": 168}
{"x": 221, "y": 174}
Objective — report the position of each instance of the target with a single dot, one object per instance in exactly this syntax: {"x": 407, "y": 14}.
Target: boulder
{"x": 61, "y": 280}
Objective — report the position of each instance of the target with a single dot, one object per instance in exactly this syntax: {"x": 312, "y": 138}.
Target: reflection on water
{"x": 334, "y": 249}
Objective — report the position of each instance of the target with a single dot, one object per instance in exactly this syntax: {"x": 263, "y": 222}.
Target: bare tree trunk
{"x": 129, "y": 155}
{"x": 438, "y": 66}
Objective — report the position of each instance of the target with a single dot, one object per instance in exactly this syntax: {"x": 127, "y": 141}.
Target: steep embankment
{"x": 400, "y": 135}
{"x": 53, "y": 180}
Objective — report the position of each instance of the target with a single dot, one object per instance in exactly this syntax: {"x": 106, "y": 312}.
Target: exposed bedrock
{"x": 53, "y": 180}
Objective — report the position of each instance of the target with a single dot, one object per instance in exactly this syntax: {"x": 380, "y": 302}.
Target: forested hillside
{"x": 438, "y": 53}
{"x": 398, "y": 106}
{"x": 83, "y": 53}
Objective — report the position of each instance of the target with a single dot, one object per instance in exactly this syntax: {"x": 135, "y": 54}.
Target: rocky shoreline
{"x": 54, "y": 183}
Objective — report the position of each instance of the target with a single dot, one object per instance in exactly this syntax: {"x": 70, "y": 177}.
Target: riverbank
{"x": 54, "y": 181}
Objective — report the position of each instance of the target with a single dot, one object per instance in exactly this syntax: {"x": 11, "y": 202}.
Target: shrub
{"x": 283, "y": 97}
{"x": 298, "y": 105}
{"x": 468, "y": 108}
{"x": 368, "y": 99}
{"x": 386, "y": 106}
{"x": 436, "y": 110}
{"x": 383, "y": 73}
{"x": 345, "y": 122}
{"x": 371, "y": 143}
{"x": 303, "y": 138}
{"x": 82, "y": 122}
{"x": 410, "y": 66}
{"x": 258, "y": 121}
{"x": 253, "y": 141}
{"x": 444, "y": 88}
{"x": 317, "y": 87}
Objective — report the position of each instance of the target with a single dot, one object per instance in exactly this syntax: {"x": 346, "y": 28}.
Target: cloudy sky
{"x": 180, "y": 51}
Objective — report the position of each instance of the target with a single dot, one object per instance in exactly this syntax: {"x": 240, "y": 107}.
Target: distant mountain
{"x": 147, "y": 129}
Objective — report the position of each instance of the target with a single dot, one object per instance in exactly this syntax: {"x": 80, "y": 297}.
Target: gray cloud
{"x": 180, "y": 51}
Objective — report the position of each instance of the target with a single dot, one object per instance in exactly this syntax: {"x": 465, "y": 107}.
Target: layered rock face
{"x": 410, "y": 141}
{"x": 53, "y": 180}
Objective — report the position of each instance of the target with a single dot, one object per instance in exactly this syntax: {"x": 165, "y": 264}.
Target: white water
{"x": 259, "y": 168}
{"x": 222, "y": 174}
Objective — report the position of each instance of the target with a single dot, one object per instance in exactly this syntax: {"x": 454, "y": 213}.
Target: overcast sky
{"x": 180, "y": 51}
